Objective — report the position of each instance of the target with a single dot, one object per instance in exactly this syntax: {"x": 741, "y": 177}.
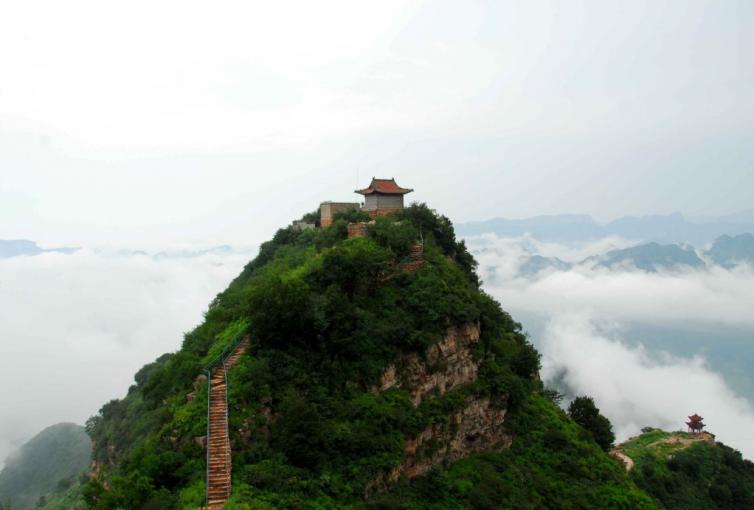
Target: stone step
{"x": 218, "y": 441}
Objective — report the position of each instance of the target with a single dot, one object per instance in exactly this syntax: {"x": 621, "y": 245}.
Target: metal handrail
{"x": 208, "y": 370}
{"x": 227, "y": 425}
{"x": 228, "y": 349}
{"x": 209, "y": 398}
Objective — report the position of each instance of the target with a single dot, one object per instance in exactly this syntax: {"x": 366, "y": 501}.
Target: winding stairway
{"x": 218, "y": 439}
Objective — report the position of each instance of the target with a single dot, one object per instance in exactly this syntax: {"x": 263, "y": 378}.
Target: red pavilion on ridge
{"x": 695, "y": 424}
{"x": 382, "y": 196}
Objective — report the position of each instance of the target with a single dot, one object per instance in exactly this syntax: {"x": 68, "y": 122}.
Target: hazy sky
{"x": 195, "y": 122}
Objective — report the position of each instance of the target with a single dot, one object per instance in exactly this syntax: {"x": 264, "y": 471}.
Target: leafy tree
{"x": 300, "y": 433}
{"x": 584, "y": 412}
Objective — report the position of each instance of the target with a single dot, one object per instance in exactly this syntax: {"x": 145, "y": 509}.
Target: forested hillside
{"x": 687, "y": 471}
{"x": 53, "y": 459}
{"x": 374, "y": 379}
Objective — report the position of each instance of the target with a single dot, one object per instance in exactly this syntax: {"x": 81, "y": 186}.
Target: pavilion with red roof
{"x": 383, "y": 196}
{"x": 695, "y": 424}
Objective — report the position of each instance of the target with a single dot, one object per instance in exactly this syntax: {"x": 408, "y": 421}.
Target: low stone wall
{"x": 383, "y": 212}
{"x": 328, "y": 209}
{"x": 357, "y": 230}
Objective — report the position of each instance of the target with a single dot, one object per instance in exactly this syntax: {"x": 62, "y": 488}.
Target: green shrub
{"x": 585, "y": 413}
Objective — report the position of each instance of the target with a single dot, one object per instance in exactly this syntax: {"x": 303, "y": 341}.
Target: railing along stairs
{"x": 213, "y": 498}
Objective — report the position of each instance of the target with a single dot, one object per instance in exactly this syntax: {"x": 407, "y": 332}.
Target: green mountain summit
{"x": 356, "y": 365}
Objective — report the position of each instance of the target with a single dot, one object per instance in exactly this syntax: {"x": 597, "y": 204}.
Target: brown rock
{"x": 446, "y": 365}
{"x": 476, "y": 428}
{"x": 199, "y": 380}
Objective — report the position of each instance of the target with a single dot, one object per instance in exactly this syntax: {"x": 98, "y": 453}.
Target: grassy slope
{"x": 683, "y": 472}
{"x": 326, "y": 323}
{"x": 552, "y": 464}
{"x": 66, "y": 496}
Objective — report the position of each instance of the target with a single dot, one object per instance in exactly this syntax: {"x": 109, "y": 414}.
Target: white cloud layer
{"x": 711, "y": 296}
{"x": 75, "y": 328}
{"x": 583, "y": 344}
{"x": 636, "y": 389}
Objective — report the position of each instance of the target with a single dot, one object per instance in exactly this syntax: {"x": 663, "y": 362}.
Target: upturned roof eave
{"x": 370, "y": 191}
{"x": 377, "y": 186}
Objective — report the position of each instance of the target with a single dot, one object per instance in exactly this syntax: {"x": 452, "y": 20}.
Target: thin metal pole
{"x": 227, "y": 428}
{"x": 209, "y": 398}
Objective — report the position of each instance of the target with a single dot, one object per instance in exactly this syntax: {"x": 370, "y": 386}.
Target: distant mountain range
{"x": 649, "y": 257}
{"x": 23, "y": 247}
{"x": 565, "y": 228}
{"x": 729, "y": 251}
{"x": 14, "y": 248}
{"x": 726, "y": 251}
{"x": 663, "y": 235}
{"x": 181, "y": 254}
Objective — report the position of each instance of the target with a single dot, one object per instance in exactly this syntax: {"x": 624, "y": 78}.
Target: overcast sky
{"x": 200, "y": 123}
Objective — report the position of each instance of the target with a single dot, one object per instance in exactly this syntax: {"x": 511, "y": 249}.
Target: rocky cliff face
{"x": 445, "y": 365}
{"x": 476, "y": 427}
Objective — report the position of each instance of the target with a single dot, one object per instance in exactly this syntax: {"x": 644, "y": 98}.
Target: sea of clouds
{"x": 581, "y": 316}
{"x": 76, "y": 327}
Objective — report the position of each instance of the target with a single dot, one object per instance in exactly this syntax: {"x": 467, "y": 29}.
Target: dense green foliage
{"x": 682, "y": 472}
{"x": 584, "y": 412}
{"x": 328, "y": 315}
{"x": 553, "y": 464}
{"x": 50, "y": 460}
{"x": 67, "y": 495}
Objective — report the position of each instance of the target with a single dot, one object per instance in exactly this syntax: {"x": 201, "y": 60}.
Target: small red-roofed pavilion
{"x": 695, "y": 424}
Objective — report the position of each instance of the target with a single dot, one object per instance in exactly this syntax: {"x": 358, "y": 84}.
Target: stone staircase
{"x": 415, "y": 258}
{"x": 413, "y": 262}
{"x": 218, "y": 440}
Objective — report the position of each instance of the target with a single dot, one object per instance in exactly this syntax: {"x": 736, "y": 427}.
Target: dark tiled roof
{"x": 386, "y": 186}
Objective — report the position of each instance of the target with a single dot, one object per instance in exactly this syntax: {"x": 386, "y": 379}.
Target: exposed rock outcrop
{"x": 197, "y": 382}
{"x": 446, "y": 365}
{"x": 475, "y": 428}
{"x": 627, "y": 461}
